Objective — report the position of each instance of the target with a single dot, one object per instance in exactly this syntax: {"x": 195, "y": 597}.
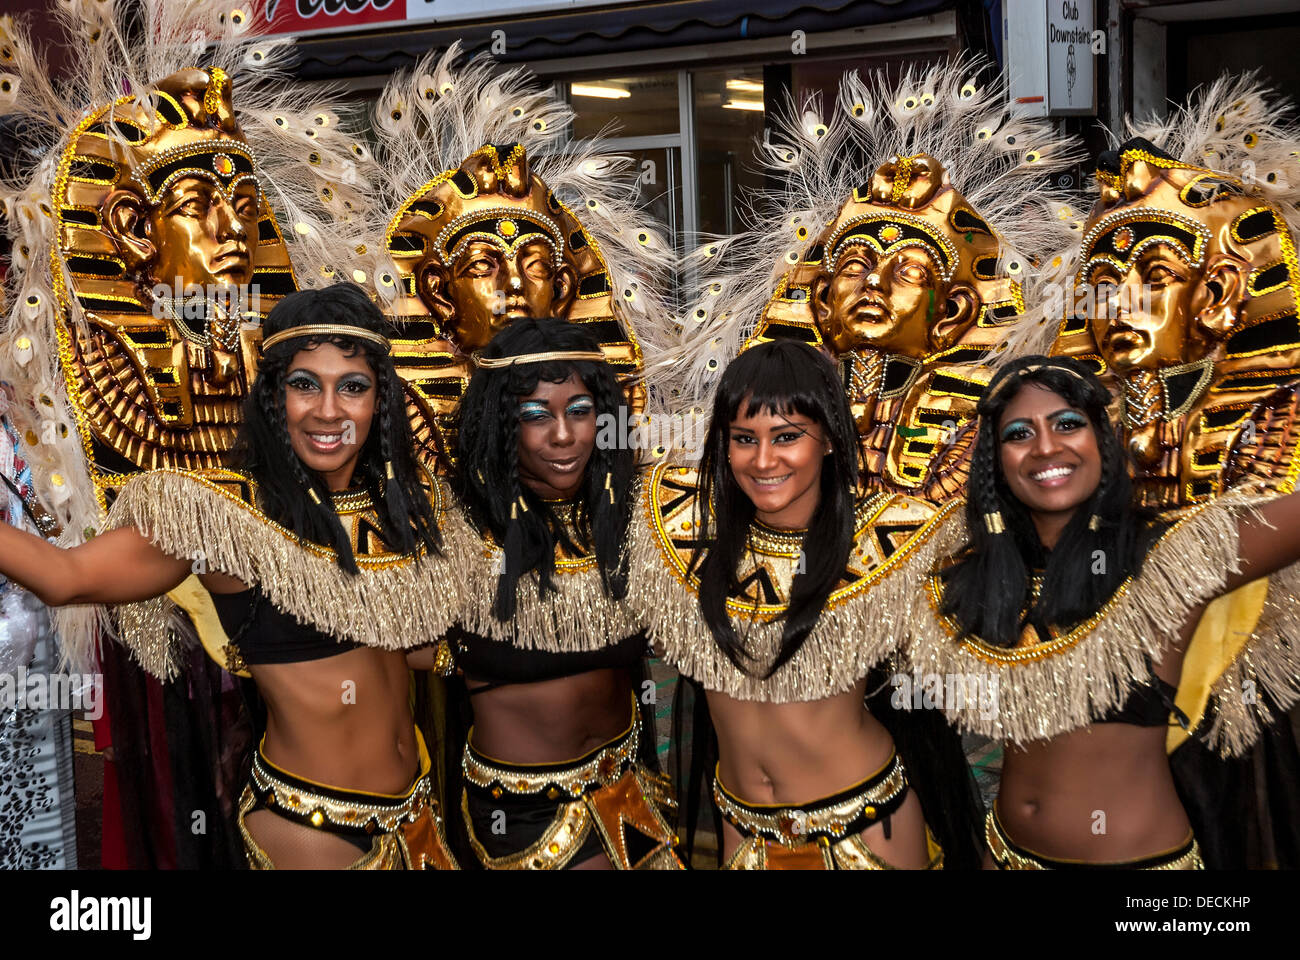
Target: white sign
{"x": 1070, "y": 84}
{"x": 302, "y": 17}
{"x": 1051, "y": 53}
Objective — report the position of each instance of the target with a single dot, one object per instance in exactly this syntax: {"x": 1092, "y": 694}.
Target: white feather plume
{"x": 997, "y": 161}
{"x": 1238, "y": 126}
{"x": 450, "y": 108}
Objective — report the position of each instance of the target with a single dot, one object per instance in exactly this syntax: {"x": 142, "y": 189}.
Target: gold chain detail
{"x": 791, "y": 825}
{"x": 604, "y": 768}
{"x": 1008, "y": 858}
{"x": 212, "y": 96}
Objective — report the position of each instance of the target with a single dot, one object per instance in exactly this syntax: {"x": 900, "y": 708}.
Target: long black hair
{"x": 988, "y": 589}
{"x": 487, "y": 462}
{"x": 781, "y": 377}
{"x": 263, "y": 449}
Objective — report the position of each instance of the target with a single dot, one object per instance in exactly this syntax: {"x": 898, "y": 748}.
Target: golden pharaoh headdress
{"x": 115, "y": 371}
{"x": 935, "y": 164}
{"x": 475, "y": 155}
{"x": 1208, "y": 382}
{"x": 127, "y": 369}
{"x": 195, "y": 361}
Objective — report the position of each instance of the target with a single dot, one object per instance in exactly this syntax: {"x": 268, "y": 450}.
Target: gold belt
{"x": 827, "y": 819}
{"x": 605, "y": 790}
{"x": 320, "y": 803}
{"x": 570, "y": 780}
{"x": 1007, "y": 855}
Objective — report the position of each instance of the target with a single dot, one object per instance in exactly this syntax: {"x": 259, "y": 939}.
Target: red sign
{"x": 304, "y": 16}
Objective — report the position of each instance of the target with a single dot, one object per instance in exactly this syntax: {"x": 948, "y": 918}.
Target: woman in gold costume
{"x": 557, "y": 765}
{"x": 312, "y": 552}
{"x": 769, "y": 579}
{"x": 1077, "y": 608}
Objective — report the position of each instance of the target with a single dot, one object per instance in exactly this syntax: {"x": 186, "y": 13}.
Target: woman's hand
{"x": 119, "y": 566}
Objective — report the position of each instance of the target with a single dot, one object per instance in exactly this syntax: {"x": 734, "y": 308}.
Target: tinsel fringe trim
{"x": 1058, "y": 692}
{"x": 1269, "y": 663}
{"x": 577, "y": 617}
{"x": 398, "y": 604}
{"x": 848, "y": 639}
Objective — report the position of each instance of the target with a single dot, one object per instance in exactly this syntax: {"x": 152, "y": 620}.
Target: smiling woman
{"x": 550, "y": 653}
{"x": 311, "y": 552}
{"x": 1079, "y": 608}
{"x": 768, "y": 578}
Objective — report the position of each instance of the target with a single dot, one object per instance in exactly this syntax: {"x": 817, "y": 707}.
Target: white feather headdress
{"x": 430, "y": 119}
{"x": 998, "y": 162}
{"x": 1238, "y": 126}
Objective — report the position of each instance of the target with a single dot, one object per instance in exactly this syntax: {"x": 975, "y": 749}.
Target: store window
{"x": 625, "y": 107}
{"x": 642, "y": 117}
{"x": 728, "y": 124}
{"x": 693, "y": 135}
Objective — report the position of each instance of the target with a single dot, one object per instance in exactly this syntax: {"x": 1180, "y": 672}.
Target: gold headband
{"x": 1030, "y": 369}
{"x": 326, "y": 330}
{"x": 494, "y": 363}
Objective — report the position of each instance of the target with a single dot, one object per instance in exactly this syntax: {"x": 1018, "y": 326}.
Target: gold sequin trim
{"x": 600, "y": 768}
{"x": 791, "y": 825}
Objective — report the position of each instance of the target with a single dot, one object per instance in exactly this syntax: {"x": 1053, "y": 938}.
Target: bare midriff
{"x": 342, "y": 721}
{"x": 552, "y": 721}
{"x": 1103, "y": 793}
{"x": 797, "y": 753}
{"x": 1100, "y": 794}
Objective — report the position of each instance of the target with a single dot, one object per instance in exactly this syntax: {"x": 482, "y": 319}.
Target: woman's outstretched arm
{"x": 119, "y": 566}
{"x": 1266, "y": 547}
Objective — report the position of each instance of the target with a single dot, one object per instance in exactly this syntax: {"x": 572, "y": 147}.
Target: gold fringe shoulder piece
{"x": 1045, "y": 688}
{"x": 578, "y": 616}
{"x": 863, "y": 622}
{"x": 394, "y": 602}
{"x": 1268, "y": 663}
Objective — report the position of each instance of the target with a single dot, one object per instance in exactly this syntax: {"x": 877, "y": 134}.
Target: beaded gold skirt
{"x": 824, "y": 834}
{"x": 392, "y": 832}
{"x": 551, "y": 816}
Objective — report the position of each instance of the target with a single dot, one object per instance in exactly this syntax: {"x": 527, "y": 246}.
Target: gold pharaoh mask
{"x": 907, "y": 287}
{"x": 476, "y": 247}
{"x": 1186, "y": 296}
{"x": 166, "y": 243}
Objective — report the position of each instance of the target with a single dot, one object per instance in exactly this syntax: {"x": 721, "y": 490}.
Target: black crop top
{"x": 1148, "y": 706}
{"x": 265, "y": 634}
{"x": 500, "y": 663}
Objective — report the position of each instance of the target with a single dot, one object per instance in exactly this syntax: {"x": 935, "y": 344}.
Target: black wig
{"x": 988, "y": 589}
{"x": 263, "y": 449}
{"x": 781, "y": 377}
{"x": 487, "y": 462}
